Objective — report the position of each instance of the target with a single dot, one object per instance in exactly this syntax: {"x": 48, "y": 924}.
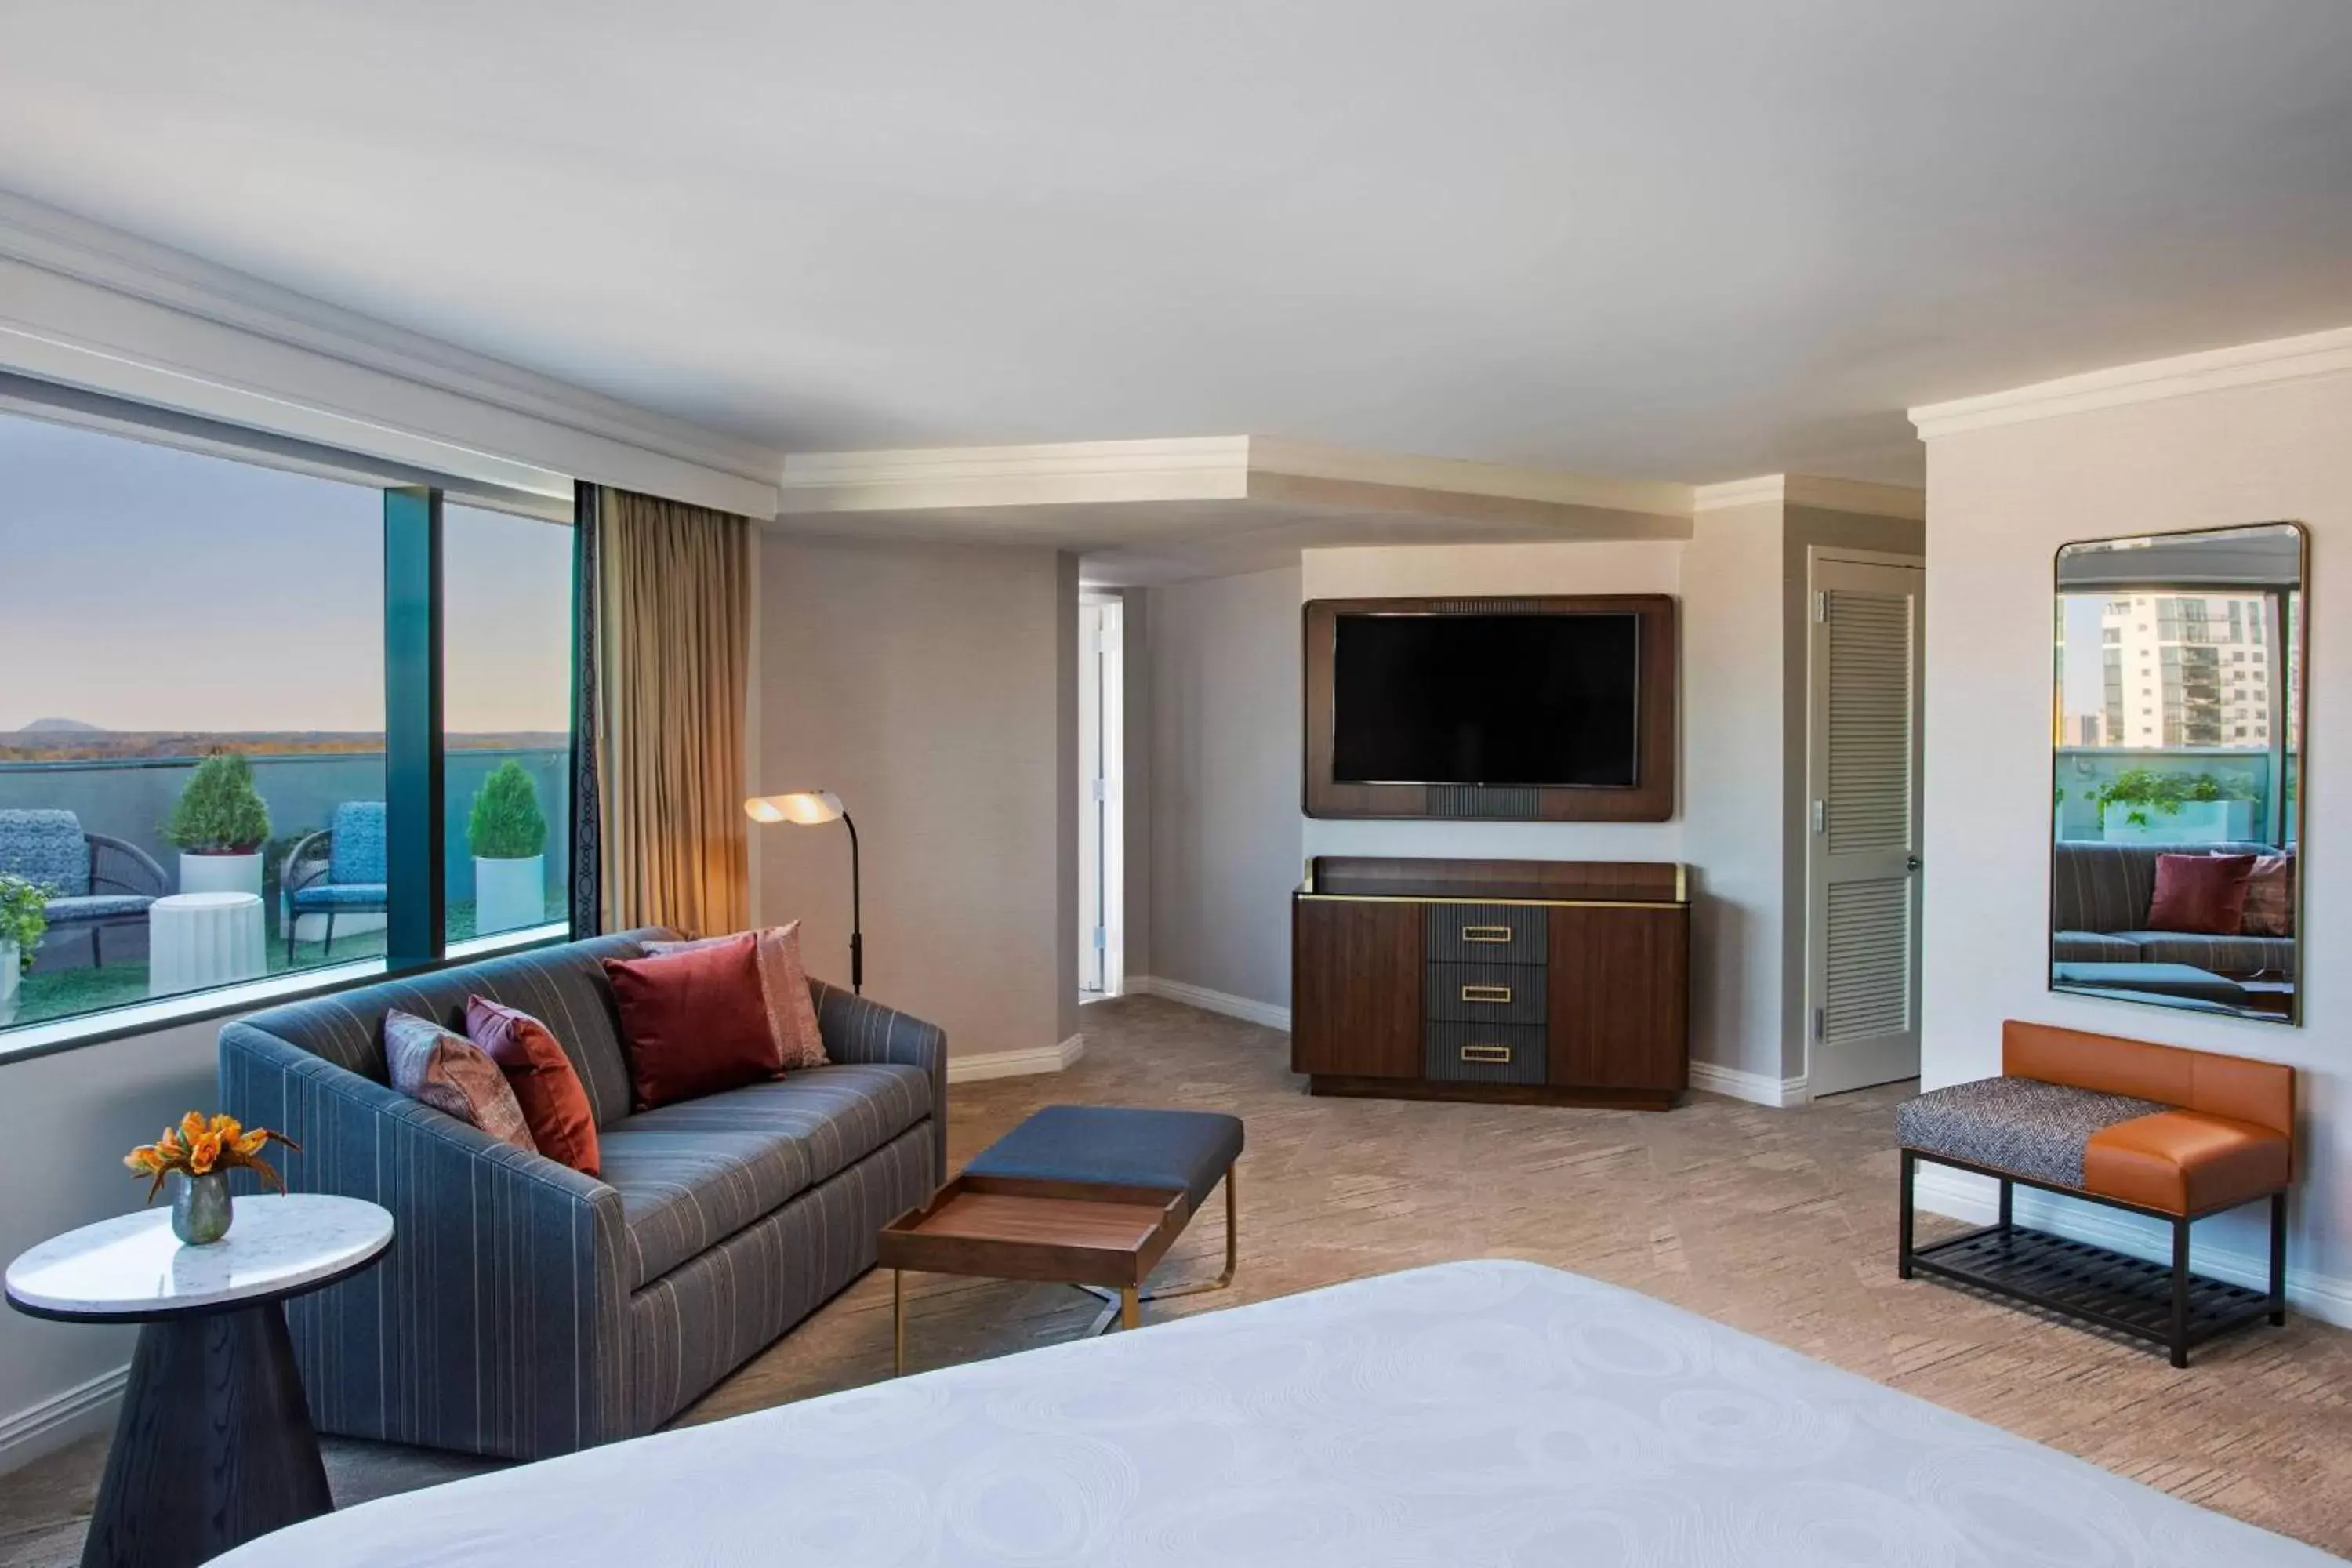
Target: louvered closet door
{"x": 1862, "y": 903}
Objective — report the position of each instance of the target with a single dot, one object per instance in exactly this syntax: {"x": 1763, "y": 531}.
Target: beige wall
{"x": 2001, "y": 500}
{"x": 66, "y": 1121}
{"x": 933, "y": 688}
{"x": 1224, "y": 745}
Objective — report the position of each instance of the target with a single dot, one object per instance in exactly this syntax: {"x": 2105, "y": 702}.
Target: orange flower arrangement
{"x": 198, "y": 1147}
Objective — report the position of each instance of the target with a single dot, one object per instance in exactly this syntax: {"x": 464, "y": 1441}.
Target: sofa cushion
{"x": 695, "y": 1022}
{"x": 2270, "y": 897}
{"x": 783, "y": 988}
{"x": 2221, "y": 954}
{"x": 565, "y": 986}
{"x": 2021, "y": 1125}
{"x": 2108, "y": 886}
{"x": 544, "y": 1081}
{"x": 95, "y": 907}
{"x": 444, "y": 1069}
{"x": 693, "y": 1173}
{"x": 365, "y": 895}
{"x": 2205, "y": 893}
{"x": 2093, "y": 947}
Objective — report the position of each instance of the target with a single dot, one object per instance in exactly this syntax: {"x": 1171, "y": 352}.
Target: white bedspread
{"x": 1469, "y": 1413}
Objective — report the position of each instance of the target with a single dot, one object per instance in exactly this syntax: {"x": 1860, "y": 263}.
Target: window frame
{"x": 415, "y": 594}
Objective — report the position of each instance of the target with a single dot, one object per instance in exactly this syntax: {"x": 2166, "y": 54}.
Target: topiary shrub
{"x": 221, "y": 811}
{"x": 506, "y": 823}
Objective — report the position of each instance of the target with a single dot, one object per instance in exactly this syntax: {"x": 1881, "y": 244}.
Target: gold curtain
{"x": 674, "y": 617}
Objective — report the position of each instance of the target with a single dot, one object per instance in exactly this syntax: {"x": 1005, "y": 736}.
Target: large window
{"x": 193, "y": 783}
{"x": 507, "y": 708}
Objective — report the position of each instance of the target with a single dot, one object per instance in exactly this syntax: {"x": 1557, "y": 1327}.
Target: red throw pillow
{"x": 2270, "y": 897}
{"x": 2199, "y": 893}
{"x": 543, "y": 1080}
{"x": 695, "y": 1022}
{"x": 444, "y": 1069}
{"x": 791, "y": 1012}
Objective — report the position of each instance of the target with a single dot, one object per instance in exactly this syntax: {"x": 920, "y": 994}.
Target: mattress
{"x": 1478, "y": 1412}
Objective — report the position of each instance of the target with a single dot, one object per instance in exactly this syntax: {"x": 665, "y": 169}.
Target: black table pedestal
{"x": 214, "y": 1446}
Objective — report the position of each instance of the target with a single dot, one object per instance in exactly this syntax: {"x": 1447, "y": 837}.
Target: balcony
{"x": 88, "y": 968}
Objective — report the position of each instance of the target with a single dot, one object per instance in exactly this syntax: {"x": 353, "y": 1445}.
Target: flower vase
{"x": 201, "y": 1210}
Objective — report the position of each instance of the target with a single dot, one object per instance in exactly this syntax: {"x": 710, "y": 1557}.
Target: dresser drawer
{"x": 1485, "y": 993}
{"x": 1483, "y": 933}
{"x": 1458, "y": 1051}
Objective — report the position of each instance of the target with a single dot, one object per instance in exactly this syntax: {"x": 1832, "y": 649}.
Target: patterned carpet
{"x": 1778, "y": 1222}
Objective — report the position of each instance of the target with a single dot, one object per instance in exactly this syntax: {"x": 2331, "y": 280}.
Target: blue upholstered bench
{"x": 1147, "y": 1171}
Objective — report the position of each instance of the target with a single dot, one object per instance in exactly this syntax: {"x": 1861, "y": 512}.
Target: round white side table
{"x": 214, "y": 1444}
{"x": 195, "y": 940}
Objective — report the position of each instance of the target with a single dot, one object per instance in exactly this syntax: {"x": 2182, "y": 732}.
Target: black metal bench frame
{"x": 2168, "y": 1307}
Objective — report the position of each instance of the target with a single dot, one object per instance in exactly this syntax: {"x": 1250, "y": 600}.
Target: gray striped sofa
{"x": 2099, "y": 898}
{"x": 525, "y": 1310}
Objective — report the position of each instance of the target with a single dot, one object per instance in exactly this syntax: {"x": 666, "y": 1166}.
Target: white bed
{"x": 1469, "y": 1413}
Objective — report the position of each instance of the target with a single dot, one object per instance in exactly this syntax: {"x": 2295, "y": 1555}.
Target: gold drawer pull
{"x": 1487, "y": 933}
{"x": 1485, "y": 994}
{"x": 1486, "y": 1054}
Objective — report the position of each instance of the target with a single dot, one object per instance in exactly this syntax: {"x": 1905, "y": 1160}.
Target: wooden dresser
{"x": 1543, "y": 981}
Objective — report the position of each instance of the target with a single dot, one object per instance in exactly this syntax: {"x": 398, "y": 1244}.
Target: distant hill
{"x": 59, "y": 726}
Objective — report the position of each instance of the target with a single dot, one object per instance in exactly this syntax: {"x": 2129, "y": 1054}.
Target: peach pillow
{"x": 785, "y": 986}
{"x": 444, "y": 1069}
{"x": 544, "y": 1081}
{"x": 2270, "y": 897}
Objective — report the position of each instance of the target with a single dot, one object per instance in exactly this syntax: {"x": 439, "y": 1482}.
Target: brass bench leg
{"x": 1131, "y": 1308}
{"x": 1170, "y": 1293}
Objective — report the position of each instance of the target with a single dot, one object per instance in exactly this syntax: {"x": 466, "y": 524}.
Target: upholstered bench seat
{"x": 2174, "y": 1133}
{"x": 1115, "y": 1145}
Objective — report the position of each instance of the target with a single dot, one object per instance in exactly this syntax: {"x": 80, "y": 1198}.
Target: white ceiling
{"x": 1689, "y": 240}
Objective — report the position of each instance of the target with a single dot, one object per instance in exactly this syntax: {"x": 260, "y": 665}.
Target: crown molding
{"x": 1812, "y": 490}
{"x": 109, "y": 312}
{"x": 2151, "y": 381}
{"x": 1211, "y": 467}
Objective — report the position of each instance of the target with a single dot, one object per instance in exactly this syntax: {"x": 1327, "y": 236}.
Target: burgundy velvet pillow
{"x": 439, "y": 1067}
{"x": 544, "y": 1081}
{"x": 2199, "y": 893}
{"x": 695, "y": 1022}
{"x": 791, "y": 1012}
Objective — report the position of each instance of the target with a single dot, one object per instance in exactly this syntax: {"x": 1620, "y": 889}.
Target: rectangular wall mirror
{"x": 2176, "y": 790}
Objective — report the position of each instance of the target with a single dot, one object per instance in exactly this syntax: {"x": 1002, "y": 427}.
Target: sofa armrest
{"x": 858, "y": 1030}
{"x": 494, "y": 1323}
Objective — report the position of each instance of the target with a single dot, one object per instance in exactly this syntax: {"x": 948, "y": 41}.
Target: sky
{"x": 2085, "y": 689}
{"x": 143, "y": 587}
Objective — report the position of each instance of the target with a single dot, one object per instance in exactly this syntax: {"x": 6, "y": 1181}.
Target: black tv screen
{"x": 1497, "y": 699}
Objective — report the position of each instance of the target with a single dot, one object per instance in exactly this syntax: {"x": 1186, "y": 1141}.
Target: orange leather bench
{"x": 2171, "y": 1134}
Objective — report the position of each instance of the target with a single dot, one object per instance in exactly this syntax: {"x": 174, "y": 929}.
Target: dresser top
{"x": 1497, "y": 881}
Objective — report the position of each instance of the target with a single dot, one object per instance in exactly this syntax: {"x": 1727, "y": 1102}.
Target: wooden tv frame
{"x": 1651, "y": 798}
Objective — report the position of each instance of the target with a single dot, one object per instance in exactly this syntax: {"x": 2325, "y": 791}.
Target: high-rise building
{"x": 2186, "y": 669}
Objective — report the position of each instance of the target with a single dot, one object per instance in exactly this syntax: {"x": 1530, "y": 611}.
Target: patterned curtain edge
{"x": 587, "y": 804}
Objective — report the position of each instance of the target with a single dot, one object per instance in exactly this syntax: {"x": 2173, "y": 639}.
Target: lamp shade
{"x": 801, "y": 806}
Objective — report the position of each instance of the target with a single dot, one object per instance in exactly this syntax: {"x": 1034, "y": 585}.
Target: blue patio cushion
{"x": 340, "y": 896}
{"x": 1118, "y": 1146}
{"x": 46, "y": 847}
{"x": 356, "y": 852}
{"x": 95, "y": 907}
{"x": 693, "y": 1173}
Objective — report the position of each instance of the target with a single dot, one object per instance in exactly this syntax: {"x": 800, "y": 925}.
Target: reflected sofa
{"x": 2099, "y": 899}
{"x": 525, "y": 1310}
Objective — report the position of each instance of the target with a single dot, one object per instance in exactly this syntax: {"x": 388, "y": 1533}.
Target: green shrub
{"x": 2138, "y": 789}
{"x": 24, "y": 914}
{"x": 506, "y": 823}
{"x": 220, "y": 812}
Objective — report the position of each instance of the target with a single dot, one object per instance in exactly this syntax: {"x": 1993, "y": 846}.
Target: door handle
{"x": 1911, "y": 862}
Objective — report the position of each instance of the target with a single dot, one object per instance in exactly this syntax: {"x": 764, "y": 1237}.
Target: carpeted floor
{"x": 1779, "y": 1222}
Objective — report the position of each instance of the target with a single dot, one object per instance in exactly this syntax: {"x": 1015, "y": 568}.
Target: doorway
{"x": 1863, "y": 869}
{"x": 1102, "y": 746}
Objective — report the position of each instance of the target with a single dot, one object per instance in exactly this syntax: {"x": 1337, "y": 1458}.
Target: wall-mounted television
{"x": 1551, "y": 707}
{"x": 1487, "y": 699}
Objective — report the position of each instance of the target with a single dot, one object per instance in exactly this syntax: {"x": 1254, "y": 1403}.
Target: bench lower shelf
{"x": 2128, "y": 1295}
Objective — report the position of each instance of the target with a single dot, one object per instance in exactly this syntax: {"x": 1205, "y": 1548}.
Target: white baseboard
{"x": 1015, "y": 1064}
{"x": 1200, "y": 996}
{"x": 1753, "y": 1087}
{"x": 61, "y": 1419}
{"x": 1961, "y": 1194}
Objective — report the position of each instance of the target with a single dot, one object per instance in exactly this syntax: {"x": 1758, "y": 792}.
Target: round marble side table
{"x": 214, "y": 1444}
{"x": 195, "y": 940}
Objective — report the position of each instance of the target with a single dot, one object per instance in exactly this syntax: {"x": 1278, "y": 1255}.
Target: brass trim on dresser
{"x": 1497, "y": 1053}
{"x": 1499, "y": 903}
{"x": 1499, "y": 994}
{"x": 1501, "y": 934}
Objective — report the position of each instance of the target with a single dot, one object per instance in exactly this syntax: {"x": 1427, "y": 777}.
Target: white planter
{"x": 2197, "y": 822}
{"x": 11, "y": 973}
{"x": 220, "y": 873}
{"x": 509, "y": 894}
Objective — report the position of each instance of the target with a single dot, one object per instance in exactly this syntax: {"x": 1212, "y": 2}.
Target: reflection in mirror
{"x": 2177, "y": 799}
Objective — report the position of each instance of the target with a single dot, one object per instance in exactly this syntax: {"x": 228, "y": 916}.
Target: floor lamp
{"x": 808, "y": 807}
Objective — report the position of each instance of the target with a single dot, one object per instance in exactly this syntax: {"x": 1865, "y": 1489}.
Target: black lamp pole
{"x": 857, "y": 919}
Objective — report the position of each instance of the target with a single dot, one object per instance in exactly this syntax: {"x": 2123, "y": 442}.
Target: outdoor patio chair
{"x": 96, "y": 883}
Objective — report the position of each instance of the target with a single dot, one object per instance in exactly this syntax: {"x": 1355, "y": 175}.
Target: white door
{"x": 1101, "y": 746}
{"x": 1863, "y": 754}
